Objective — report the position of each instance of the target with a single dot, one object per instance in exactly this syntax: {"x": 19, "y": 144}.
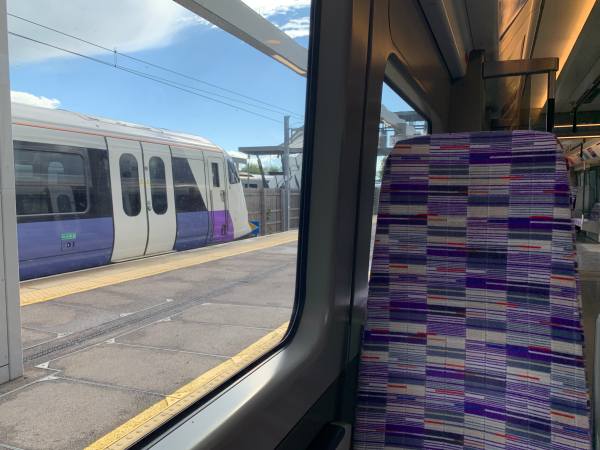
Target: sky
{"x": 213, "y": 63}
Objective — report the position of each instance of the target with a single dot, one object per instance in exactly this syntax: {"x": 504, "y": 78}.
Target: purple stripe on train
{"x": 222, "y": 226}
{"x": 56, "y": 246}
{"x": 194, "y": 230}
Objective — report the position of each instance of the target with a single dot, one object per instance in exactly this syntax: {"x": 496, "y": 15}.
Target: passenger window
{"x": 158, "y": 185}
{"x": 215, "y": 175}
{"x": 130, "y": 184}
{"x": 232, "y": 172}
{"x": 398, "y": 121}
{"x": 187, "y": 193}
{"x": 49, "y": 182}
{"x": 147, "y": 339}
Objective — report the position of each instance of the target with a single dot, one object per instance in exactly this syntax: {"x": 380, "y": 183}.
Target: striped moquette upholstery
{"x": 474, "y": 336}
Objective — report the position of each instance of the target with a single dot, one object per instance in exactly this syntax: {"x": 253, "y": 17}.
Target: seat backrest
{"x": 474, "y": 335}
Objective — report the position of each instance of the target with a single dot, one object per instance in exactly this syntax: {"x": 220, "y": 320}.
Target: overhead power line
{"x": 157, "y": 66}
{"x": 142, "y": 75}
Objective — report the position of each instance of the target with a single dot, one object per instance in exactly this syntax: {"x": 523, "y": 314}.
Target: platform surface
{"x": 112, "y": 352}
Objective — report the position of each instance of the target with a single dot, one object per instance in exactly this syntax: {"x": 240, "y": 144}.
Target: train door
{"x": 160, "y": 199}
{"x": 129, "y": 198}
{"x": 218, "y": 198}
{"x": 236, "y": 203}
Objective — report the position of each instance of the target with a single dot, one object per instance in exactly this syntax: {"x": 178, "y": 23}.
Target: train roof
{"x": 23, "y": 114}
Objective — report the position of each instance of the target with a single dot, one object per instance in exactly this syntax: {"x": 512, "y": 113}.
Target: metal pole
{"x": 285, "y": 165}
{"x": 550, "y": 101}
{"x": 11, "y": 354}
{"x": 262, "y": 172}
{"x": 583, "y": 188}
{"x": 263, "y": 213}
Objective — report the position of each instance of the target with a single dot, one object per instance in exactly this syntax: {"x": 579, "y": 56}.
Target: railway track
{"x": 58, "y": 347}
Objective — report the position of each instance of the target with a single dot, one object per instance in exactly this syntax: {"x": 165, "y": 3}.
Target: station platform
{"x": 112, "y": 352}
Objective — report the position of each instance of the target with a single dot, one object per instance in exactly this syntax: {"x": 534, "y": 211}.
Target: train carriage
{"x": 91, "y": 191}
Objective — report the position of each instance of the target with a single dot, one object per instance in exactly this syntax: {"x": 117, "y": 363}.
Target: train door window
{"x": 187, "y": 193}
{"x": 130, "y": 184}
{"x": 232, "y": 172}
{"x": 215, "y": 175}
{"x": 49, "y": 182}
{"x": 158, "y": 185}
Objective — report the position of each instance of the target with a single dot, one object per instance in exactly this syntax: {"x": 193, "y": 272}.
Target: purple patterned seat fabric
{"x": 474, "y": 336}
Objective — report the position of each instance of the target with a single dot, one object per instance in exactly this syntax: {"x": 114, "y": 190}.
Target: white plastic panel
{"x": 215, "y": 170}
{"x": 57, "y": 137}
{"x": 162, "y": 224}
{"x": 131, "y": 231}
{"x": 237, "y": 208}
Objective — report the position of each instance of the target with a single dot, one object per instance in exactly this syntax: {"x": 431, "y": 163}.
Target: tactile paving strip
{"x": 139, "y": 426}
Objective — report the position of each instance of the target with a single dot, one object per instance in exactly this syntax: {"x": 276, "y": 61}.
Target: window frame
{"x": 139, "y": 185}
{"x": 232, "y": 172}
{"x": 340, "y": 134}
{"x": 301, "y": 343}
{"x": 81, "y": 152}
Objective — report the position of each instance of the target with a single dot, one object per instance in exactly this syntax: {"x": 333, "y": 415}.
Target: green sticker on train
{"x": 68, "y": 236}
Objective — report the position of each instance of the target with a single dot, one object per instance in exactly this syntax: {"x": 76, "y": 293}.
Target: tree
{"x": 252, "y": 168}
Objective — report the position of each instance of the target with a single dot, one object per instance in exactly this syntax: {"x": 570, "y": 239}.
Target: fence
{"x": 265, "y": 207}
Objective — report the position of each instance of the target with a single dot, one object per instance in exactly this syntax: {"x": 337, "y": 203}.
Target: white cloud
{"x": 268, "y": 8}
{"x": 126, "y": 25}
{"x": 296, "y": 28}
{"x": 27, "y": 98}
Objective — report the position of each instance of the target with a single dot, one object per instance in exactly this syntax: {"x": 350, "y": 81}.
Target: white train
{"x": 90, "y": 191}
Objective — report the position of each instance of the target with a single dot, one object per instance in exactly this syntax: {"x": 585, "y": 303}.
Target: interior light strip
{"x": 582, "y": 125}
{"x": 562, "y": 138}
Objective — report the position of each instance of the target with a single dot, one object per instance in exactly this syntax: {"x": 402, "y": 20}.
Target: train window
{"x": 587, "y": 191}
{"x": 130, "y": 184}
{"x": 584, "y": 173}
{"x": 398, "y": 121}
{"x": 232, "y": 172}
{"x": 158, "y": 185}
{"x": 216, "y": 182}
{"x": 50, "y": 182}
{"x": 187, "y": 193}
{"x": 164, "y": 293}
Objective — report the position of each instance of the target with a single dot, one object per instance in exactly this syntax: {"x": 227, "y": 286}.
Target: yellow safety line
{"x": 146, "y": 421}
{"x": 49, "y": 289}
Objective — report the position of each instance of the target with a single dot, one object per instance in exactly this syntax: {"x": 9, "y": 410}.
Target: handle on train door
{"x": 223, "y": 196}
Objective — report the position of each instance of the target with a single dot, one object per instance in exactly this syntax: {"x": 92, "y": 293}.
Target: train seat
{"x": 474, "y": 337}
